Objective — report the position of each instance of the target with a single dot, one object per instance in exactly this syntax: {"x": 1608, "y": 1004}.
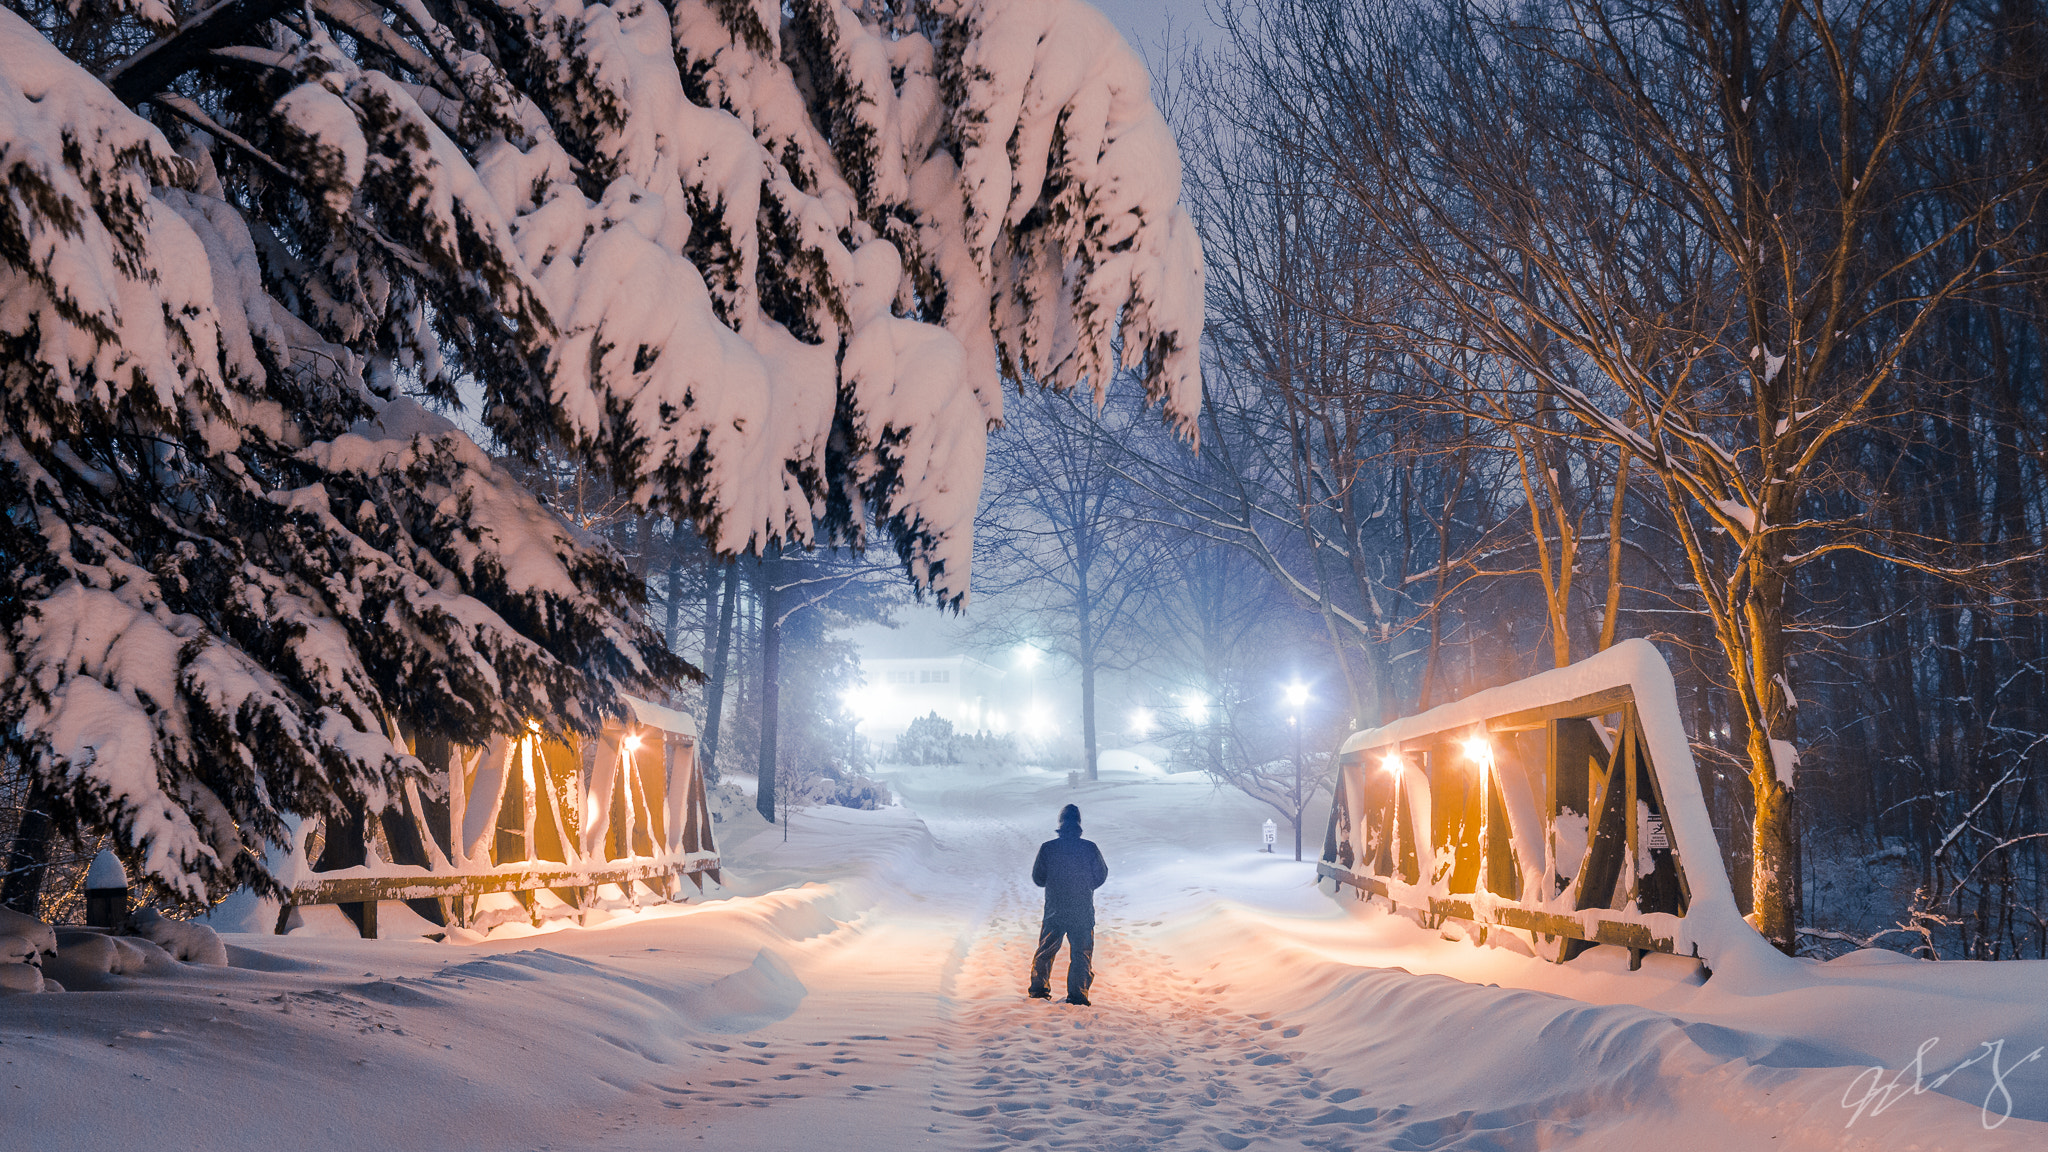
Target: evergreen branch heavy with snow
{"x": 238, "y": 580}
{"x": 770, "y": 273}
{"x": 767, "y": 271}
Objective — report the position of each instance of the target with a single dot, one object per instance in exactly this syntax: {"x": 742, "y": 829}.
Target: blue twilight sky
{"x": 1144, "y": 22}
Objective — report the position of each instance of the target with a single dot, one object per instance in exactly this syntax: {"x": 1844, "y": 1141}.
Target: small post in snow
{"x": 106, "y": 891}
{"x": 1271, "y": 834}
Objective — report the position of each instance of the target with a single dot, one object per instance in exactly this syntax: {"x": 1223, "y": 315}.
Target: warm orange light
{"x": 1479, "y": 751}
{"x": 1393, "y": 764}
{"x": 632, "y": 743}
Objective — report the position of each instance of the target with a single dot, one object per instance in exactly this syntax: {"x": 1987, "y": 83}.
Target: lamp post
{"x": 1027, "y": 656}
{"x": 1297, "y": 696}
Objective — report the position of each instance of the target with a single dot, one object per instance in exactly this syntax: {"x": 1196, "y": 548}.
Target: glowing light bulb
{"x": 1479, "y": 751}
{"x": 1297, "y": 694}
{"x": 632, "y": 743}
{"x": 1393, "y": 764}
{"x": 1141, "y": 721}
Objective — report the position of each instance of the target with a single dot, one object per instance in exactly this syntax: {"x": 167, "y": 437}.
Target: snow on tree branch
{"x": 239, "y": 579}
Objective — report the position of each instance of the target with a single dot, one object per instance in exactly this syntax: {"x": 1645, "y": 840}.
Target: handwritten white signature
{"x": 1879, "y": 1093}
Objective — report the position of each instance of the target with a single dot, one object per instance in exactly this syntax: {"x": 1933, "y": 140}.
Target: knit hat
{"x": 1070, "y": 815}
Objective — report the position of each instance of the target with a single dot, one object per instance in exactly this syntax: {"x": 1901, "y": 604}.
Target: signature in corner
{"x": 1872, "y": 1092}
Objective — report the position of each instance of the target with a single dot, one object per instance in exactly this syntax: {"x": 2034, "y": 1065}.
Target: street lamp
{"x": 1297, "y": 697}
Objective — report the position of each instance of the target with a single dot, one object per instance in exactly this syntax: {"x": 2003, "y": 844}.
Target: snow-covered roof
{"x": 1633, "y": 664}
{"x": 661, "y": 716}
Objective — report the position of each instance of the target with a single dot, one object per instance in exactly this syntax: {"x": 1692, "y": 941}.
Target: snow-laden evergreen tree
{"x": 769, "y": 269}
{"x": 237, "y": 575}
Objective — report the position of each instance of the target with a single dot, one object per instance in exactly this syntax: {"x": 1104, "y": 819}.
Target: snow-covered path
{"x": 1153, "y": 1063}
{"x": 865, "y": 990}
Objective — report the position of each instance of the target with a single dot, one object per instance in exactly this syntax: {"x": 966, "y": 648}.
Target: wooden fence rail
{"x": 1565, "y": 808}
{"x": 528, "y": 828}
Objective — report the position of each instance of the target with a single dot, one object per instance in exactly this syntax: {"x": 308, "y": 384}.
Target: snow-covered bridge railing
{"x": 1565, "y": 807}
{"x": 528, "y": 829}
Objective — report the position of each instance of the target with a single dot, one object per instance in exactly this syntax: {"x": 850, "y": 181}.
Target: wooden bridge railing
{"x": 1565, "y": 808}
{"x": 527, "y": 829}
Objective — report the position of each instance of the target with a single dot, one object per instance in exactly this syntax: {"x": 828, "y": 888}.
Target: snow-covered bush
{"x": 35, "y": 938}
{"x": 85, "y": 960}
{"x": 186, "y": 940}
{"x": 840, "y": 784}
{"x": 987, "y": 749}
{"x": 26, "y": 944}
{"x": 928, "y": 740}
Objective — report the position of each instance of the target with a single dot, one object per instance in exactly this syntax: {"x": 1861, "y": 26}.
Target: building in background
{"x": 975, "y": 696}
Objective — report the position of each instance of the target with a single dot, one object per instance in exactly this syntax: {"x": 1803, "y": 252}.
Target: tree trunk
{"x": 714, "y": 692}
{"x": 29, "y": 857}
{"x": 1087, "y": 649}
{"x": 1775, "y": 880}
{"x": 1612, "y": 609}
{"x": 675, "y": 601}
{"x": 771, "y": 691}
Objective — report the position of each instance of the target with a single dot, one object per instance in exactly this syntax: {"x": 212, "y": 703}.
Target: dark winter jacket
{"x": 1070, "y": 869}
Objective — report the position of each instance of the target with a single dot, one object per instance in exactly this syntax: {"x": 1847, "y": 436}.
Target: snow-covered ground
{"x": 863, "y": 988}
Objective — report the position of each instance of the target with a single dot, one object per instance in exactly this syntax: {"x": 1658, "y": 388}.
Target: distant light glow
{"x": 1297, "y": 694}
{"x": 1393, "y": 763}
{"x": 1141, "y": 721}
{"x": 1038, "y": 722}
{"x": 632, "y": 742}
{"x": 1028, "y": 656}
{"x": 1195, "y": 707}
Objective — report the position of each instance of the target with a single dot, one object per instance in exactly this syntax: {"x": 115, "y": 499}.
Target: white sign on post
{"x": 1270, "y": 834}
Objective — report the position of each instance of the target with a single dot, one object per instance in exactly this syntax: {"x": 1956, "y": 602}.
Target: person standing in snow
{"x": 1070, "y": 869}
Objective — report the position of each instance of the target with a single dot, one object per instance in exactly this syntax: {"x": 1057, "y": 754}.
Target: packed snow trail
{"x": 865, "y": 990}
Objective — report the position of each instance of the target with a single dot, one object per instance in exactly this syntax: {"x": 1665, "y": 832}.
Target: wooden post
{"x": 106, "y": 891}
{"x": 1553, "y": 881}
{"x": 1627, "y": 758}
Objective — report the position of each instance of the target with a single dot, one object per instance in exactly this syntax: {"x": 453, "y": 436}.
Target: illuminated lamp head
{"x": 632, "y": 742}
{"x": 1479, "y": 752}
{"x": 1393, "y": 763}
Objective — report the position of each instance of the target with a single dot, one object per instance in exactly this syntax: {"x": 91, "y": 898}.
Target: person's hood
{"x": 1070, "y": 821}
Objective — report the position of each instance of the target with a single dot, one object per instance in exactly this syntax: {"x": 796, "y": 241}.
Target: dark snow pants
{"x": 1079, "y": 934}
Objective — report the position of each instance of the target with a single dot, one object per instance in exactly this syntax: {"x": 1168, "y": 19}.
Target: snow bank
{"x": 188, "y": 941}
{"x": 1128, "y": 760}
{"x": 865, "y": 988}
{"x": 37, "y": 936}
